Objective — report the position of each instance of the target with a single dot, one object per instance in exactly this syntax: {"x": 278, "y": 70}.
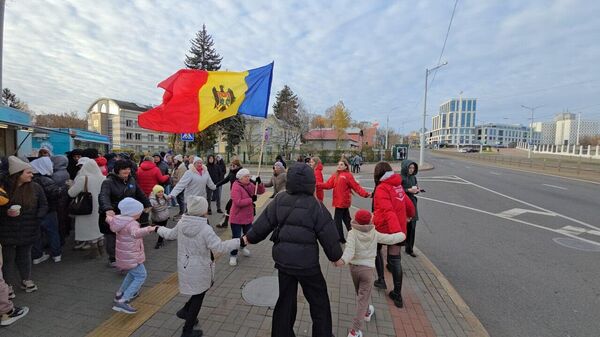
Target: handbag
{"x": 82, "y": 204}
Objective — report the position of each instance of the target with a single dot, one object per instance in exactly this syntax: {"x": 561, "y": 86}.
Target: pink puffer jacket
{"x": 129, "y": 250}
{"x": 242, "y": 210}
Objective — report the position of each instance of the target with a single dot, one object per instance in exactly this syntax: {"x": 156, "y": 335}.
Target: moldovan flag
{"x": 195, "y": 99}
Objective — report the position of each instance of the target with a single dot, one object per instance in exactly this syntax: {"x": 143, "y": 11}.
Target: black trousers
{"x": 379, "y": 263}
{"x": 192, "y": 309}
{"x": 410, "y": 236}
{"x": 315, "y": 291}
{"x": 342, "y": 214}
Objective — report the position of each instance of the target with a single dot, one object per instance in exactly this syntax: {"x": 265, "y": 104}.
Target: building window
{"x": 452, "y": 105}
{"x": 138, "y": 136}
{"x": 129, "y": 123}
{"x": 469, "y": 105}
{"x": 129, "y": 135}
{"x": 161, "y": 138}
{"x": 474, "y": 103}
{"x": 150, "y": 138}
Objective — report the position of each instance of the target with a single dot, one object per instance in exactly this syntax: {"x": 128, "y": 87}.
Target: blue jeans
{"x": 49, "y": 226}
{"x": 133, "y": 281}
{"x": 236, "y": 232}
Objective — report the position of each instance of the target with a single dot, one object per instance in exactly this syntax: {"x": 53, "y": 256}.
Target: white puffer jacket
{"x": 361, "y": 244}
{"x": 195, "y": 240}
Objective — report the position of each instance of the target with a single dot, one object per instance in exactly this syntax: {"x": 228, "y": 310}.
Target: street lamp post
{"x": 530, "y": 128}
{"x": 422, "y": 150}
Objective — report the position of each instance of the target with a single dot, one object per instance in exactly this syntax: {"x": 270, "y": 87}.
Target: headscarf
{"x": 43, "y": 166}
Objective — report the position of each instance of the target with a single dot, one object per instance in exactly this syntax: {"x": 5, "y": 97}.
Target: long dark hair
{"x": 23, "y": 195}
{"x": 380, "y": 169}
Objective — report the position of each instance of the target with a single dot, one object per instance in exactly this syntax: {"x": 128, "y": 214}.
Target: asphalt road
{"x": 522, "y": 249}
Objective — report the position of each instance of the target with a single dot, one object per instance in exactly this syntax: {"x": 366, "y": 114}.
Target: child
{"x": 160, "y": 209}
{"x": 129, "y": 252}
{"x": 197, "y": 243}
{"x": 360, "y": 252}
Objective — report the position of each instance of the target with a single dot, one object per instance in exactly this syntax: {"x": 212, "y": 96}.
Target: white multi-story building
{"x": 119, "y": 120}
{"x": 546, "y": 130}
{"x": 569, "y": 127}
{"x": 505, "y": 134}
{"x": 455, "y": 123}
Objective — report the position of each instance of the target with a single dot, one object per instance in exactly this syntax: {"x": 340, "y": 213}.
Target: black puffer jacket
{"x": 230, "y": 178}
{"x": 51, "y": 189}
{"x": 304, "y": 223}
{"x": 113, "y": 190}
{"x": 24, "y": 229}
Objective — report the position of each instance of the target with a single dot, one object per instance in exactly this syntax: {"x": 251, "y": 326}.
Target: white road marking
{"x": 537, "y": 207}
{"x": 495, "y": 173}
{"x": 518, "y": 211}
{"x": 565, "y": 233}
{"x": 560, "y": 188}
{"x": 573, "y": 230}
{"x": 467, "y": 167}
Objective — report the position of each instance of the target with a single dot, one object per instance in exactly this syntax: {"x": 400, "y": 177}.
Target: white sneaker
{"x": 246, "y": 251}
{"x": 369, "y": 313}
{"x": 41, "y": 259}
{"x": 57, "y": 258}
{"x": 233, "y": 261}
{"x": 355, "y": 333}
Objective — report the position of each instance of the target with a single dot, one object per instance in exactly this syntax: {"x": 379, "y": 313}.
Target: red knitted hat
{"x": 363, "y": 217}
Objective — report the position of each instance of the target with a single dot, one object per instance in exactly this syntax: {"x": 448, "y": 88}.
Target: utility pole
{"x": 2, "y": 4}
{"x": 422, "y": 150}
{"x": 458, "y": 121}
{"x": 530, "y": 145}
{"x": 578, "y": 127}
{"x": 387, "y": 130}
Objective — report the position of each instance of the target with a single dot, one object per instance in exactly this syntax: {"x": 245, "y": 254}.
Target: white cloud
{"x": 62, "y": 55}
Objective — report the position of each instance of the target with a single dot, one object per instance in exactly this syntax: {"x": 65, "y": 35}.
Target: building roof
{"x": 132, "y": 106}
{"x": 327, "y": 134}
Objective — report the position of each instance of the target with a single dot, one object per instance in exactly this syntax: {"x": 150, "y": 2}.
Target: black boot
{"x": 394, "y": 263}
{"x": 193, "y": 333}
{"x": 380, "y": 283}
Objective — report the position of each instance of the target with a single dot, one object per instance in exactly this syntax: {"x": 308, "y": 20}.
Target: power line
{"x": 445, "y": 40}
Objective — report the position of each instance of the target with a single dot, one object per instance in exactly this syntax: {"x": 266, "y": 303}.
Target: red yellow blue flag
{"x": 196, "y": 99}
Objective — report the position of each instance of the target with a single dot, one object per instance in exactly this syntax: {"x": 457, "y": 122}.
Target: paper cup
{"x": 16, "y": 209}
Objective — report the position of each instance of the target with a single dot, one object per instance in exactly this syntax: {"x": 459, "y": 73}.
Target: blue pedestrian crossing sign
{"x": 187, "y": 137}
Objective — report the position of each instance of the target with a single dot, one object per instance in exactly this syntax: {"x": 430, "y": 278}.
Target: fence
{"x": 564, "y": 150}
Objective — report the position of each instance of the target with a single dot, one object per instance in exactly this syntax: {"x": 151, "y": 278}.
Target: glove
{"x": 254, "y": 197}
{"x": 258, "y": 180}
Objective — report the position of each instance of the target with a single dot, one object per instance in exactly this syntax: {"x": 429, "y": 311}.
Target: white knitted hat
{"x": 130, "y": 207}
{"x": 16, "y": 165}
{"x": 241, "y": 173}
{"x": 197, "y": 206}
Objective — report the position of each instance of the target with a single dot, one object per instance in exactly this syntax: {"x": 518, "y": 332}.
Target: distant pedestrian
{"x": 359, "y": 255}
{"x": 279, "y": 158}
{"x": 343, "y": 183}
{"x": 278, "y": 179}
{"x": 299, "y": 222}
{"x": 130, "y": 252}
{"x": 179, "y": 169}
{"x": 149, "y": 175}
{"x": 234, "y": 167}
{"x": 197, "y": 245}
{"x": 215, "y": 174}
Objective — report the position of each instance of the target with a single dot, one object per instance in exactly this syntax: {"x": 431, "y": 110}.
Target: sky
{"x": 62, "y": 55}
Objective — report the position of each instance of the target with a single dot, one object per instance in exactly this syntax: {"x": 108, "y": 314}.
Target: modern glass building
{"x": 455, "y": 123}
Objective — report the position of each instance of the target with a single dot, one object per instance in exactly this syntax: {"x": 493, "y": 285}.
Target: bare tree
{"x": 64, "y": 120}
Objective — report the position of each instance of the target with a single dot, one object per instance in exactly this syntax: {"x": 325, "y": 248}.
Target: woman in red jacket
{"x": 317, "y": 166}
{"x": 149, "y": 175}
{"x": 392, "y": 210}
{"x": 343, "y": 184}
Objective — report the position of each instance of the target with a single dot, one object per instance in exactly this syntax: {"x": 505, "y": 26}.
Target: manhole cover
{"x": 262, "y": 291}
{"x": 577, "y": 244}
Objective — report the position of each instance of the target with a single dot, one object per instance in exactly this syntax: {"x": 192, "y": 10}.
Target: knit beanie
{"x": 179, "y": 158}
{"x": 197, "y": 206}
{"x": 16, "y": 165}
{"x": 363, "y": 217}
{"x": 130, "y": 207}
{"x": 241, "y": 173}
{"x": 157, "y": 188}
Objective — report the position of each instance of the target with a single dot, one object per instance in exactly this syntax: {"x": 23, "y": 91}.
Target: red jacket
{"x": 392, "y": 205}
{"x": 149, "y": 175}
{"x": 319, "y": 176}
{"x": 343, "y": 183}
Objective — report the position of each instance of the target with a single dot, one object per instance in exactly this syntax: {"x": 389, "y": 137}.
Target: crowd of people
{"x": 40, "y": 202}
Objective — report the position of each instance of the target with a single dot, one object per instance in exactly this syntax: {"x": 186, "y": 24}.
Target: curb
{"x": 462, "y": 306}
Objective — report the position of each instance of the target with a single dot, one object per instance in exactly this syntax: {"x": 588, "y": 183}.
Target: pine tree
{"x": 11, "y": 100}
{"x": 286, "y": 108}
{"x": 203, "y": 55}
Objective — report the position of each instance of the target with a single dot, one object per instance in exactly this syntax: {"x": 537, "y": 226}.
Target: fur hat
{"x": 197, "y": 205}
{"x": 16, "y": 165}
{"x": 130, "y": 207}
{"x": 157, "y": 188}
{"x": 241, "y": 173}
{"x": 179, "y": 158}
{"x": 363, "y": 217}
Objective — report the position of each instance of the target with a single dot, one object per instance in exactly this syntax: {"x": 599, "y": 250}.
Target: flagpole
{"x": 262, "y": 146}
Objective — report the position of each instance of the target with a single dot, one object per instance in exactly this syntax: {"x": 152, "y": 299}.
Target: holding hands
{"x": 339, "y": 263}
